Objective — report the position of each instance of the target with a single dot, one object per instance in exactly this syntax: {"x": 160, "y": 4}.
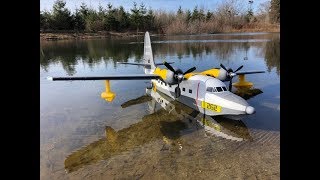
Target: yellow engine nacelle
{"x": 167, "y": 75}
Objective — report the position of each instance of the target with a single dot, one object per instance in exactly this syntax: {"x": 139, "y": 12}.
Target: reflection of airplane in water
{"x": 168, "y": 122}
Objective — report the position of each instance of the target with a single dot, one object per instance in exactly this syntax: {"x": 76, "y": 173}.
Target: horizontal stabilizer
{"x": 110, "y": 77}
{"x": 138, "y": 64}
{"x": 249, "y": 72}
{"x": 158, "y": 64}
{"x": 142, "y": 64}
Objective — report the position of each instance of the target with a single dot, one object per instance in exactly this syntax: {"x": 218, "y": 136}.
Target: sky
{"x": 168, "y": 5}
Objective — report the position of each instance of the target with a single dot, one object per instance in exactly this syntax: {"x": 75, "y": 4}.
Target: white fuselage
{"x": 207, "y": 95}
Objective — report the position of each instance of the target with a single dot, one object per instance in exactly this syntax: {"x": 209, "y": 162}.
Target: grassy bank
{"x": 179, "y": 27}
{"x": 258, "y": 28}
{"x": 58, "y": 35}
{"x": 51, "y": 36}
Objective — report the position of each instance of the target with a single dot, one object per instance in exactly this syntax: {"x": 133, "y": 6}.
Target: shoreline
{"x": 52, "y": 36}
{"x": 68, "y": 35}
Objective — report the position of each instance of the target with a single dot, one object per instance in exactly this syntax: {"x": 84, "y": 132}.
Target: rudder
{"x": 148, "y": 56}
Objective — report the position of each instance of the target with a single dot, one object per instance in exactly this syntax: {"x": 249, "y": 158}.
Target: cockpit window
{"x": 219, "y": 89}
{"x": 216, "y": 89}
{"x": 209, "y": 89}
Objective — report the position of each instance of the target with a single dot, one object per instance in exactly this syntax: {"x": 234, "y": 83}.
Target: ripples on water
{"x": 83, "y": 136}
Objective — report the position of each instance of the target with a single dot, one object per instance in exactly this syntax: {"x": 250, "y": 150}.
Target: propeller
{"x": 230, "y": 74}
{"x": 178, "y": 76}
{"x": 189, "y": 70}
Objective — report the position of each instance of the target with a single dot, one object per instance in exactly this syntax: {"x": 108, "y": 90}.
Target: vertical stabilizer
{"x": 147, "y": 55}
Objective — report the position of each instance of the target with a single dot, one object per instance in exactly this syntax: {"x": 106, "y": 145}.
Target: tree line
{"x": 228, "y": 15}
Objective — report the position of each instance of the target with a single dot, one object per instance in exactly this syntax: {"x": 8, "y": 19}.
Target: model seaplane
{"x": 203, "y": 91}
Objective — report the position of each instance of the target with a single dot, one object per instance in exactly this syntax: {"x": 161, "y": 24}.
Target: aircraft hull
{"x": 196, "y": 103}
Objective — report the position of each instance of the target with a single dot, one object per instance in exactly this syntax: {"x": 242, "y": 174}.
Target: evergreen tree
{"x": 188, "y": 16}
{"x": 209, "y": 15}
{"x": 201, "y": 15}
{"x": 83, "y": 10}
{"x": 61, "y": 16}
{"x": 149, "y": 20}
{"x": 79, "y": 21}
{"x": 111, "y": 21}
{"x": 195, "y": 13}
{"x": 136, "y": 17}
{"x": 179, "y": 12}
{"x": 123, "y": 18}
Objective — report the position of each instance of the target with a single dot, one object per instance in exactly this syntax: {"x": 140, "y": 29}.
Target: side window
{"x": 224, "y": 88}
{"x": 183, "y": 89}
{"x": 214, "y": 89}
{"x": 219, "y": 89}
{"x": 190, "y": 91}
{"x": 209, "y": 89}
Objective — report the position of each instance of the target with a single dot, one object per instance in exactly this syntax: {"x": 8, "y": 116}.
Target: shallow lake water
{"x": 137, "y": 136}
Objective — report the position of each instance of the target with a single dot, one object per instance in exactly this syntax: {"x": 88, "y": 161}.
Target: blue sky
{"x": 168, "y": 5}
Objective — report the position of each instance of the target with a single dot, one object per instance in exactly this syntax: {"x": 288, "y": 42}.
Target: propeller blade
{"x": 189, "y": 70}
{"x": 169, "y": 67}
{"x": 239, "y": 68}
{"x": 230, "y": 85}
{"x": 223, "y": 67}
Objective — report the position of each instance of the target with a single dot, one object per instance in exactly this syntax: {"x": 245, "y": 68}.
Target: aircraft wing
{"x": 110, "y": 77}
{"x": 249, "y": 72}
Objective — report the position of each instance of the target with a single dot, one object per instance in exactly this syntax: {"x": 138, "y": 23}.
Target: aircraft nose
{"x": 250, "y": 110}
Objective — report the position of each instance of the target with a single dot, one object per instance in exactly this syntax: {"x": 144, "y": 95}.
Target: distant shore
{"x": 84, "y": 35}
{"x": 67, "y": 35}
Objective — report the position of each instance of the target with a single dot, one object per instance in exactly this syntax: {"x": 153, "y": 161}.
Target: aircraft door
{"x": 201, "y": 93}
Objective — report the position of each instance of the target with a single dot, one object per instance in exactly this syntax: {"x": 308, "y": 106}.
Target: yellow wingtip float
{"x": 108, "y": 95}
{"x": 242, "y": 83}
